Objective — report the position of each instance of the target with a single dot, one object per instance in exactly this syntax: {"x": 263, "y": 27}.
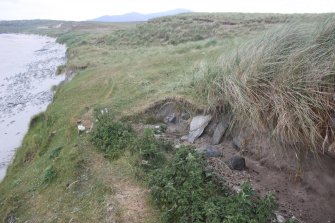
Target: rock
{"x": 210, "y": 151}
{"x": 184, "y": 138}
{"x": 81, "y": 128}
{"x": 219, "y": 132}
{"x": 197, "y": 126}
{"x": 332, "y": 121}
{"x": 280, "y": 219}
{"x": 331, "y": 148}
{"x": 237, "y": 142}
{"x": 237, "y": 163}
{"x": 171, "y": 118}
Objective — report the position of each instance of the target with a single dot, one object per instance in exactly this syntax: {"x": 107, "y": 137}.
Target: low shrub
{"x": 183, "y": 188}
{"x": 186, "y": 192}
{"x": 150, "y": 150}
{"x": 111, "y": 137}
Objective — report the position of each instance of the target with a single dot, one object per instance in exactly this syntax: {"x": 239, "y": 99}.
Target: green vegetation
{"x": 183, "y": 188}
{"x": 61, "y": 176}
{"x": 186, "y": 192}
{"x": 49, "y": 174}
{"x": 197, "y": 26}
{"x": 150, "y": 151}
{"x": 111, "y": 137}
{"x": 286, "y": 75}
{"x": 55, "y": 152}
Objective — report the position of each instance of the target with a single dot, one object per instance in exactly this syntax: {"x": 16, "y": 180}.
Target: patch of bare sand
{"x": 130, "y": 201}
{"x": 133, "y": 202}
{"x": 308, "y": 196}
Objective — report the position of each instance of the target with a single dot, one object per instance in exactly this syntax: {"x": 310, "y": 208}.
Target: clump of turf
{"x": 281, "y": 84}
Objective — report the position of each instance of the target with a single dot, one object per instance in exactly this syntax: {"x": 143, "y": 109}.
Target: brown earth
{"x": 129, "y": 201}
{"x": 308, "y": 196}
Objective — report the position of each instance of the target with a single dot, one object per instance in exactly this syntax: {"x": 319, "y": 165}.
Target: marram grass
{"x": 281, "y": 83}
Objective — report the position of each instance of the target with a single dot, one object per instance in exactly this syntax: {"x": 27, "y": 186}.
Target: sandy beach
{"x": 27, "y": 74}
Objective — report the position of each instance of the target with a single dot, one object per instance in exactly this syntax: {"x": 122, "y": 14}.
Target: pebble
{"x": 237, "y": 163}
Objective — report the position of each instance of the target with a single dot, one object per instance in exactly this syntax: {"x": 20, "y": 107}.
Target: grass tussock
{"x": 281, "y": 83}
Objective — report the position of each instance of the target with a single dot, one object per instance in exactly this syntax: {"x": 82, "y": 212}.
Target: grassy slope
{"x": 124, "y": 71}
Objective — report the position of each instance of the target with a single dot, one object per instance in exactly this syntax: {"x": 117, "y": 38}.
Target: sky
{"x": 78, "y": 10}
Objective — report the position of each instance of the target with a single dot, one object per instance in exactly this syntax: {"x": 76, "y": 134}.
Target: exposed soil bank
{"x": 27, "y": 74}
{"x": 304, "y": 189}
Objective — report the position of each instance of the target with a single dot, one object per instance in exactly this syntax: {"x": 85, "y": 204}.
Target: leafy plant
{"x": 244, "y": 207}
{"x": 50, "y": 174}
{"x": 187, "y": 192}
{"x": 150, "y": 150}
{"x": 111, "y": 137}
{"x": 55, "y": 152}
{"x": 160, "y": 129}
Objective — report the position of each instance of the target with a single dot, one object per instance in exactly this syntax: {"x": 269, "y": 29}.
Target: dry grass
{"x": 281, "y": 83}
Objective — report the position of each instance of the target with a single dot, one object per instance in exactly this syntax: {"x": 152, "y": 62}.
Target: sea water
{"x": 28, "y": 66}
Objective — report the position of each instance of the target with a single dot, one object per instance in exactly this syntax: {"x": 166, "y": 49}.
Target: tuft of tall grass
{"x": 281, "y": 83}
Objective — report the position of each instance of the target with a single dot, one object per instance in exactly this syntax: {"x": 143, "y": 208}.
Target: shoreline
{"x": 26, "y": 90}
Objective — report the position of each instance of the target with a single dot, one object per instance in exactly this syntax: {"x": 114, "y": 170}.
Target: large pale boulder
{"x": 197, "y": 126}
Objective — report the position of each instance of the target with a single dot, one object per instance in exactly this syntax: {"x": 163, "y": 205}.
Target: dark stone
{"x": 171, "y": 119}
{"x": 211, "y": 151}
{"x": 219, "y": 132}
{"x": 237, "y": 163}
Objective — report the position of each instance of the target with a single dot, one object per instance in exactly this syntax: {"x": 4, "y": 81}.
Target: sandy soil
{"x": 305, "y": 192}
{"x": 308, "y": 196}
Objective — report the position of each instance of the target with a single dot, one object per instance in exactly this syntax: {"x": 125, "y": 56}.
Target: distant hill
{"x": 138, "y": 17}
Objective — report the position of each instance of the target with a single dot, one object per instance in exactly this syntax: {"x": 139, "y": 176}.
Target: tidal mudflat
{"x": 28, "y": 66}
